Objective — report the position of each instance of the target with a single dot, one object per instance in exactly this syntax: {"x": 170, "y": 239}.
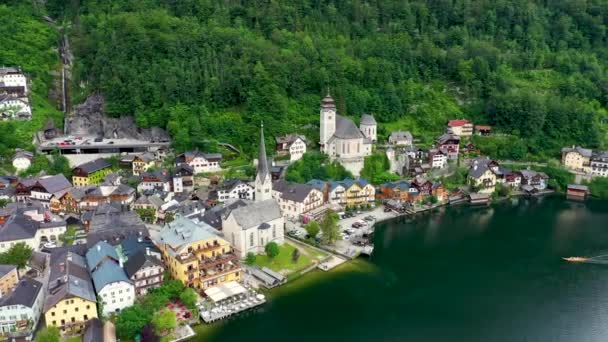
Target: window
{"x": 76, "y": 309}
{"x": 86, "y": 317}
{"x": 52, "y": 313}
{"x": 251, "y": 239}
{"x": 88, "y": 307}
{"x": 274, "y": 231}
{"x": 54, "y": 322}
{"x": 65, "y": 311}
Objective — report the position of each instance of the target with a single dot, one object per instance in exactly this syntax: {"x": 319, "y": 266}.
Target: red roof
{"x": 458, "y": 123}
{"x": 483, "y": 128}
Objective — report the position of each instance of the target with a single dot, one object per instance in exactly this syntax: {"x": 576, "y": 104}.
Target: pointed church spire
{"x": 262, "y": 160}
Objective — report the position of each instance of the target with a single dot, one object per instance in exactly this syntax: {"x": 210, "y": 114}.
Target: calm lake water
{"x": 457, "y": 274}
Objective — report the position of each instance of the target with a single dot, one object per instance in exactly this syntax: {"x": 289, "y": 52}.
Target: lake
{"x": 456, "y": 274}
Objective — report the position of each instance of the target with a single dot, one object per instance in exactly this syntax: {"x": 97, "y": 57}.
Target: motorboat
{"x": 576, "y": 259}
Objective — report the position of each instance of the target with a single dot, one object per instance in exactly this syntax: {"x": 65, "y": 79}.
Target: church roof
{"x": 262, "y": 160}
{"x": 368, "y": 119}
{"x": 346, "y": 129}
{"x": 328, "y": 102}
{"x": 253, "y": 215}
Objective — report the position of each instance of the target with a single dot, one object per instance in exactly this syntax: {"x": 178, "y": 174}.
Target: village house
{"x": 482, "y": 175}
{"x": 336, "y": 194}
{"x": 70, "y": 299}
{"x": 41, "y": 189}
{"x": 599, "y": 164}
{"x": 13, "y": 78}
{"x": 251, "y": 227}
{"x": 183, "y": 178}
{"x": 483, "y": 130}
{"x": 296, "y": 199}
{"x": 234, "y": 189}
{"x": 15, "y": 108}
{"x": 437, "y": 159}
{"x": 20, "y": 310}
{"x": 155, "y": 181}
{"x": 200, "y": 162}
{"x": 532, "y": 181}
{"x": 576, "y": 158}
{"x": 359, "y": 192}
{"x": 460, "y": 128}
{"x": 416, "y": 190}
{"x": 145, "y": 271}
{"x": 399, "y": 191}
{"x": 22, "y": 159}
{"x": 292, "y": 145}
{"x": 112, "y": 286}
{"x": 142, "y": 162}
{"x": 196, "y": 255}
{"x": 341, "y": 140}
{"x": 401, "y": 138}
{"x": 8, "y": 278}
{"x": 449, "y": 145}
{"x": 30, "y": 224}
{"x": 91, "y": 173}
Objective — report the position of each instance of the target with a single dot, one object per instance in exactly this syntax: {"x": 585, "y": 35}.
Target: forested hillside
{"x": 28, "y": 42}
{"x": 214, "y": 68}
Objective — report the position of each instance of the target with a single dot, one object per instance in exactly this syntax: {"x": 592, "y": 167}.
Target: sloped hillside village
{"x": 89, "y": 247}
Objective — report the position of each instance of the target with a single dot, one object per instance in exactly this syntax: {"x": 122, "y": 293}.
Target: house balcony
{"x": 210, "y": 263}
{"x": 217, "y": 272}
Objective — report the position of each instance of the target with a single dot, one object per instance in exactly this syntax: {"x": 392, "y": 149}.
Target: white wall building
{"x": 22, "y": 306}
{"x": 200, "y": 162}
{"x": 296, "y": 199}
{"x": 13, "y": 77}
{"x": 235, "y": 189}
{"x": 341, "y": 140}
{"x": 599, "y": 164}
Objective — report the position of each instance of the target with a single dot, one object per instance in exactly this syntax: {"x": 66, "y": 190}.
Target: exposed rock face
{"x": 89, "y": 119}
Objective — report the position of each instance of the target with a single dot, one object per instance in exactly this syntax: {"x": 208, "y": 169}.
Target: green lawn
{"x": 283, "y": 261}
{"x": 73, "y": 339}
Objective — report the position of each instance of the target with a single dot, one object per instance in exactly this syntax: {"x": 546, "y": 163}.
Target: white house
{"x": 437, "y": 159}
{"x": 200, "y": 162}
{"x": 13, "y": 107}
{"x": 13, "y": 78}
{"x": 145, "y": 271}
{"x": 42, "y": 189}
{"x": 22, "y": 160}
{"x": 599, "y": 164}
{"x": 112, "y": 285}
{"x": 235, "y": 189}
{"x": 20, "y": 310}
{"x": 160, "y": 180}
{"x": 32, "y": 226}
{"x": 401, "y": 138}
{"x": 292, "y": 145}
{"x": 341, "y": 140}
{"x": 251, "y": 227}
{"x": 296, "y": 199}
{"x": 337, "y": 194}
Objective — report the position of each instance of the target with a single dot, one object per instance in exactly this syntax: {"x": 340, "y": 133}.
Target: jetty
{"x": 227, "y": 300}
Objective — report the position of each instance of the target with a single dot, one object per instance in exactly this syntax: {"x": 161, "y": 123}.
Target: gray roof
{"x": 18, "y": 227}
{"x": 368, "y": 119}
{"x": 108, "y": 273}
{"x": 401, "y": 135}
{"x": 585, "y": 152}
{"x": 23, "y": 154}
{"x": 578, "y": 187}
{"x": 446, "y": 137}
{"x": 25, "y": 293}
{"x": 253, "y": 215}
{"x": 346, "y": 129}
{"x": 292, "y": 191}
{"x": 98, "y": 253}
{"x": 5, "y": 269}
{"x": 93, "y": 331}
{"x": 94, "y": 165}
{"x": 69, "y": 276}
{"x": 262, "y": 159}
{"x": 214, "y": 216}
{"x": 183, "y": 231}
{"x": 55, "y": 183}
{"x": 138, "y": 261}
{"x": 479, "y": 167}
{"x": 531, "y": 173}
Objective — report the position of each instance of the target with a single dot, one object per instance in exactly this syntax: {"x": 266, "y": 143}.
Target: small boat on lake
{"x": 576, "y": 259}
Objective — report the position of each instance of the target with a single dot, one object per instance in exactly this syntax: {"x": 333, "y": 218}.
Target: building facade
{"x": 576, "y": 158}
{"x": 145, "y": 271}
{"x": 598, "y": 164}
{"x": 8, "y": 278}
{"x": 292, "y": 145}
{"x": 460, "y": 128}
{"x": 91, "y": 173}
{"x": 200, "y": 162}
{"x": 296, "y": 199}
{"x": 21, "y": 309}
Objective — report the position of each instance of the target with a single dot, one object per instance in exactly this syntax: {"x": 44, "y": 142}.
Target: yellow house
{"x": 90, "y": 173}
{"x": 142, "y": 163}
{"x": 576, "y": 158}
{"x": 70, "y": 300}
{"x": 196, "y": 255}
{"x": 8, "y": 278}
{"x": 482, "y": 177}
{"x": 358, "y": 192}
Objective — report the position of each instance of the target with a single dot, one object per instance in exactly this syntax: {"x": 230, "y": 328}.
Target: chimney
{"x": 98, "y": 247}
{"x": 147, "y": 250}
{"x": 120, "y": 263}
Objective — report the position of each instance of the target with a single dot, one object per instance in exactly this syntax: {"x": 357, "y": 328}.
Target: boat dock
{"x": 228, "y": 300}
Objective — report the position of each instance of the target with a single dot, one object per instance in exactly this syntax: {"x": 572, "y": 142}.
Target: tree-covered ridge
{"x": 533, "y": 68}
{"x": 28, "y": 42}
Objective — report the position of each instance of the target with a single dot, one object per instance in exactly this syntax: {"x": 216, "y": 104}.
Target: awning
{"x": 223, "y": 291}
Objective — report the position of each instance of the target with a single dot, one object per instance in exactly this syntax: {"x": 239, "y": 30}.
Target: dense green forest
{"x": 214, "y": 68}
{"x": 28, "y": 42}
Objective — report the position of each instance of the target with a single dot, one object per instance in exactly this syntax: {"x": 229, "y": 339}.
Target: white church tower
{"x": 328, "y": 121}
{"x": 263, "y": 180}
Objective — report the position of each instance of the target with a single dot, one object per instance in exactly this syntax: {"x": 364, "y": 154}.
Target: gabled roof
{"x": 93, "y": 166}
{"x": 368, "y": 119}
{"x": 98, "y": 253}
{"x": 585, "y": 152}
{"x": 5, "y": 269}
{"x": 458, "y": 123}
{"x": 289, "y": 139}
{"x": 69, "y": 277}
{"x": 213, "y": 216}
{"x": 183, "y": 231}
{"x": 138, "y": 261}
{"x": 253, "y": 215}
{"x": 108, "y": 273}
{"x": 25, "y": 293}
{"x": 447, "y": 137}
{"x": 292, "y": 191}
{"x": 401, "y": 135}
{"x": 317, "y": 183}
{"x": 53, "y": 184}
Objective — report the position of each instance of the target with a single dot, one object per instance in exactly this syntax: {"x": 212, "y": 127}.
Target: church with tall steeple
{"x": 251, "y": 227}
{"x": 263, "y": 180}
